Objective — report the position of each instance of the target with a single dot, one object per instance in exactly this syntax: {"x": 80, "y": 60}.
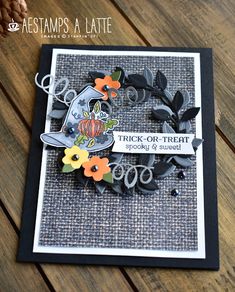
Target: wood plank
{"x": 193, "y": 24}
{"x": 86, "y": 278}
{"x": 13, "y": 277}
{"x": 19, "y": 53}
{"x": 188, "y": 280}
{"x": 13, "y": 160}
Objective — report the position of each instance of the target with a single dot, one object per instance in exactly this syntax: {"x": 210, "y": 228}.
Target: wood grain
{"x": 14, "y": 146}
{"x": 86, "y": 278}
{"x": 193, "y": 23}
{"x": 13, "y": 277}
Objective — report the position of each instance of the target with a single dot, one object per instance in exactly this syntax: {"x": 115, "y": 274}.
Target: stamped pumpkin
{"x": 91, "y": 127}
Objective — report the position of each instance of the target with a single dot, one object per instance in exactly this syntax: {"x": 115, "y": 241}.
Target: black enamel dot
{"x": 71, "y": 130}
{"x": 75, "y": 157}
{"x": 181, "y": 175}
{"x": 106, "y": 87}
{"x": 94, "y": 168}
{"x": 175, "y": 192}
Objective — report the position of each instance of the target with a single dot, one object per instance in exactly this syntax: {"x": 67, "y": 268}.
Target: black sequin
{"x": 175, "y": 192}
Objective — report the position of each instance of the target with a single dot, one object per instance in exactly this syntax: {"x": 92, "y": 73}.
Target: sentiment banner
{"x": 158, "y": 143}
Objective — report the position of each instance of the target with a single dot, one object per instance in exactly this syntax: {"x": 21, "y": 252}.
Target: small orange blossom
{"x": 107, "y": 81}
{"x": 96, "y": 167}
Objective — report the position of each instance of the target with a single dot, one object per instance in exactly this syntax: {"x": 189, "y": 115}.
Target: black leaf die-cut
{"x": 186, "y": 97}
{"x": 148, "y": 94}
{"x": 128, "y": 191}
{"x": 100, "y": 186}
{"x": 59, "y": 159}
{"x": 49, "y": 147}
{"x": 117, "y": 187}
{"x": 148, "y": 76}
{"x": 190, "y": 114}
{"x": 177, "y": 101}
{"x": 115, "y": 157}
{"x": 147, "y": 189}
{"x": 197, "y": 142}
{"x": 137, "y": 80}
{"x": 143, "y": 95}
{"x": 184, "y": 162}
{"x": 57, "y": 114}
{"x": 146, "y": 159}
{"x": 161, "y": 114}
{"x": 184, "y": 131}
{"x": 166, "y": 128}
{"x": 150, "y": 186}
{"x": 168, "y": 95}
{"x": 185, "y": 126}
{"x": 162, "y": 169}
{"x": 81, "y": 178}
{"x": 161, "y": 80}
{"x": 144, "y": 191}
{"x": 95, "y": 74}
{"x": 130, "y": 179}
{"x": 57, "y": 105}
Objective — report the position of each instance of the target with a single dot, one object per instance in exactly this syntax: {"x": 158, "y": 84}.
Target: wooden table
{"x": 208, "y": 23}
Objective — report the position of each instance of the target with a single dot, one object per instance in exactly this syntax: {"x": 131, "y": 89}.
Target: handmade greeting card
{"x": 122, "y": 163}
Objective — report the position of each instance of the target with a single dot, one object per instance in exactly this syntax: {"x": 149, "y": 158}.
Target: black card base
{"x": 25, "y": 253}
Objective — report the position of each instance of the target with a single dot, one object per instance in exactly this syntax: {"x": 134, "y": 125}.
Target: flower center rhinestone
{"x": 75, "y": 157}
{"x": 181, "y": 175}
{"x": 71, "y": 130}
{"x": 175, "y": 192}
{"x": 94, "y": 168}
{"x": 106, "y": 87}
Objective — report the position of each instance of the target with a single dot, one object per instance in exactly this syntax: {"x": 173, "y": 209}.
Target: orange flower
{"x": 104, "y": 84}
{"x": 96, "y": 167}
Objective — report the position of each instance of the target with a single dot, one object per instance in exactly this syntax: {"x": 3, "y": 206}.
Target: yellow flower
{"x": 75, "y": 156}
